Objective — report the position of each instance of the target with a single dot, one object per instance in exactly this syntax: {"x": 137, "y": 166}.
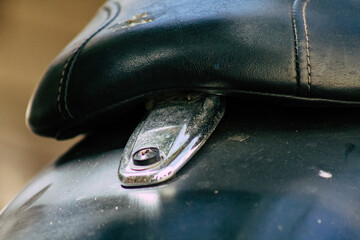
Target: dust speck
{"x": 239, "y": 138}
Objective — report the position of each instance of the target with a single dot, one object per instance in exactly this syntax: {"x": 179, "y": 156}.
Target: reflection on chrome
{"x": 171, "y": 134}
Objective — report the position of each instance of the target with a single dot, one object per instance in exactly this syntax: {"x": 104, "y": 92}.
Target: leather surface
{"x": 328, "y": 37}
{"x": 134, "y": 50}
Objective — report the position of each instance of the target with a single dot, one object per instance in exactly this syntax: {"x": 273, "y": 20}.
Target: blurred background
{"x": 32, "y": 33}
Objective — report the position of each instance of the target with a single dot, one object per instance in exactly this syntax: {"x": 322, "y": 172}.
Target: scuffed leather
{"x": 136, "y": 49}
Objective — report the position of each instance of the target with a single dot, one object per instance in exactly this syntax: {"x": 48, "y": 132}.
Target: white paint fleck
{"x": 324, "y": 174}
{"x": 138, "y": 19}
{"x": 319, "y": 221}
{"x": 116, "y": 208}
{"x": 216, "y": 192}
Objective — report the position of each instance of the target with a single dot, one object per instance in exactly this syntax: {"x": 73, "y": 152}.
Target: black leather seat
{"x": 133, "y": 50}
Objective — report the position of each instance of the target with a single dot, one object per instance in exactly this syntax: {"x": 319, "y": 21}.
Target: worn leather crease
{"x": 247, "y": 48}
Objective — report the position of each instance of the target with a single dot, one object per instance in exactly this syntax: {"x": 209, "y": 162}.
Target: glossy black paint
{"x": 266, "y": 173}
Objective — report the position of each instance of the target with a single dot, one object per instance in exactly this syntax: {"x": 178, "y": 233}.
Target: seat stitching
{"x": 296, "y": 48}
{"x": 60, "y": 86}
{"x": 69, "y": 65}
{"x": 307, "y": 47}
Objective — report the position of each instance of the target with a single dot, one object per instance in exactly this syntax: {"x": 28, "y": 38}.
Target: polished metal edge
{"x": 178, "y": 129}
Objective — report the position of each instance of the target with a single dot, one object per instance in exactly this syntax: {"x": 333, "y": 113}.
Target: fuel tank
{"x": 266, "y": 172}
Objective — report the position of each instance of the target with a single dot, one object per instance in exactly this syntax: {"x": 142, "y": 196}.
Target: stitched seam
{"x": 296, "y": 49}
{"x": 70, "y": 64}
{"x": 307, "y": 47}
{"x": 60, "y": 87}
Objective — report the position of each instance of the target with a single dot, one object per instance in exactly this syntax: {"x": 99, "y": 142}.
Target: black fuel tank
{"x": 265, "y": 173}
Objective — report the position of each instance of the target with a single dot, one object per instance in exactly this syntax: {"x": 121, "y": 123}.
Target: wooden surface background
{"x": 32, "y": 33}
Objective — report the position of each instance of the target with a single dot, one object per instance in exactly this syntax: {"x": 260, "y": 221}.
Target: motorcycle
{"x": 163, "y": 157}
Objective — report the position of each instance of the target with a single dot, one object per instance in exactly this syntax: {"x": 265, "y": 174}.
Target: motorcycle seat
{"x": 305, "y": 50}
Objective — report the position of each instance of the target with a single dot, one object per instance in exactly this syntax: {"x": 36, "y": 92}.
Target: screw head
{"x": 146, "y": 157}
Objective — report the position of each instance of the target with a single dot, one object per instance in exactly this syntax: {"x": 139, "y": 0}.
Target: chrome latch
{"x": 171, "y": 134}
